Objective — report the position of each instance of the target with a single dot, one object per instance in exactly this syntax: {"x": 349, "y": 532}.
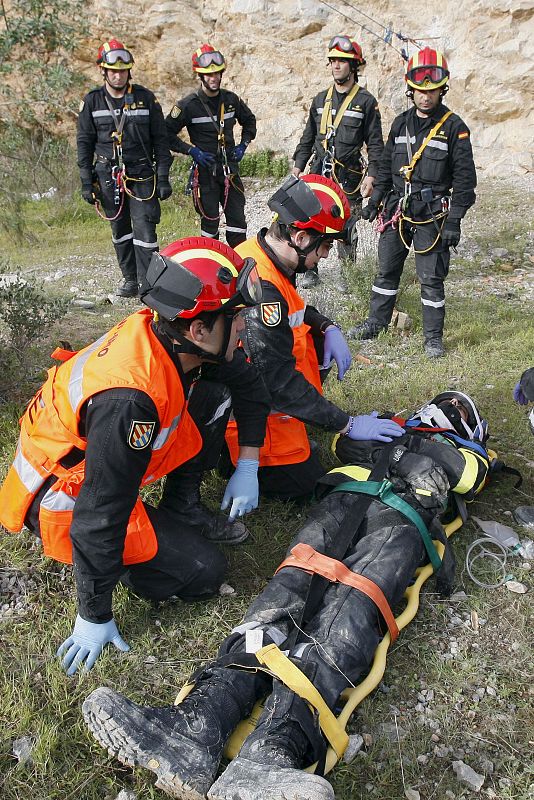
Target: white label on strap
{"x": 254, "y": 640}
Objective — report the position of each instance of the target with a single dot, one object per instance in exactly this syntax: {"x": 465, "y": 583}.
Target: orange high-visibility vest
{"x": 130, "y": 355}
{"x": 286, "y": 440}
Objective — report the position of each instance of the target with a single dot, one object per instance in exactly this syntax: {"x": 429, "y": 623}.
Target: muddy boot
{"x": 270, "y": 763}
{"x": 181, "y": 497}
{"x": 434, "y": 348}
{"x": 182, "y": 744}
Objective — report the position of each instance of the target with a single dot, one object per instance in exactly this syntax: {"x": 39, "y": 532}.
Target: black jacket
{"x": 446, "y": 164}
{"x": 196, "y": 112}
{"x": 114, "y": 472}
{"x": 144, "y": 133}
{"x": 271, "y": 351}
{"x": 361, "y": 124}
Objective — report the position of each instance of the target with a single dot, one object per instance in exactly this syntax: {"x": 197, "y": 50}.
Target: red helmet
{"x": 427, "y": 69}
{"x": 200, "y": 274}
{"x": 342, "y": 46}
{"x": 114, "y": 55}
{"x": 207, "y": 59}
{"x": 312, "y": 202}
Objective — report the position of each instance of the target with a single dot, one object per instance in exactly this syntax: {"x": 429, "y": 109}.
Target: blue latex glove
{"x": 87, "y": 641}
{"x": 370, "y": 428}
{"x": 519, "y": 396}
{"x": 201, "y": 157}
{"x": 242, "y": 489}
{"x": 238, "y": 152}
{"x": 335, "y": 347}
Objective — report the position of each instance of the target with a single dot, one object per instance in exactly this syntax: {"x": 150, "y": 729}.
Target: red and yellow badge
{"x": 271, "y": 314}
{"x": 463, "y": 135}
{"x": 140, "y": 434}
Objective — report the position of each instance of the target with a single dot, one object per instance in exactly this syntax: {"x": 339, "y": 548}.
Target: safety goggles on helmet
{"x": 312, "y": 203}
{"x": 444, "y": 412}
{"x": 207, "y": 59}
{"x": 421, "y": 76}
{"x": 341, "y": 43}
{"x": 111, "y": 57}
{"x": 248, "y": 285}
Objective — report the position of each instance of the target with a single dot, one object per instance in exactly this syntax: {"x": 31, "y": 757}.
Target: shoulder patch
{"x": 463, "y": 135}
{"x": 271, "y": 314}
{"x": 140, "y": 434}
{"x": 175, "y": 112}
{"x": 82, "y": 106}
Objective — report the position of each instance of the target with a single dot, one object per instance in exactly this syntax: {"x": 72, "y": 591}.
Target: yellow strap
{"x": 294, "y": 679}
{"x": 406, "y": 172}
{"x": 221, "y": 123}
{"x": 327, "y": 110}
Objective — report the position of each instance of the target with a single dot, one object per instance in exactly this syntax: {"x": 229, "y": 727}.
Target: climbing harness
{"x": 399, "y": 217}
{"x": 119, "y": 176}
{"x": 221, "y": 149}
{"x": 327, "y": 128}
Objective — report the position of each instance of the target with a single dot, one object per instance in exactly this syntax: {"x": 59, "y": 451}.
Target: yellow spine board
{"x": 353, "y": 697}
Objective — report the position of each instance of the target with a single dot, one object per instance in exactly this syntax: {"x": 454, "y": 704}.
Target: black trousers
{"x": 133, "y": 232}
{"x": 337, "y": 646}
{"x": 212, "y": 200}
{"x": 186, "y": 564}
{"x": 432, "y": 268}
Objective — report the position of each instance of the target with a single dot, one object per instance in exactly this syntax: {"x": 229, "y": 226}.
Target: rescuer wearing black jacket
{"x": 334, "y": 143}
{"x": 210, "y": 116}
{"x": 426, "y": 184}
{"x": 124, "y": 162}
{"x": 441, "y": 456}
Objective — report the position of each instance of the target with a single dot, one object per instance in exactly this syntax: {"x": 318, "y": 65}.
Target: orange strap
{"x": 304, "y": 557}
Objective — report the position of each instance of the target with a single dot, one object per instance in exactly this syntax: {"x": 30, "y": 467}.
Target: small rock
{"x": 412, "y": 794}
{"x": 367, "y": 739}
{"x": 434, "y": 737}
{"x": 499, "y": 252}
{"x": 23, "y": 748}
{"x": 458, "y": 596}
{"x": 225, "y": 588}
{"x": 353, "y": 748}
{"x": 516, "y": 587}
{"x": 81, "y": 303}
{"x": 391, "y": 731}
{"x": 422, "y": 759}
{"x": 467, "y": 775}
{"x": 124, "y": 794}
{"x": 487, "y": 766}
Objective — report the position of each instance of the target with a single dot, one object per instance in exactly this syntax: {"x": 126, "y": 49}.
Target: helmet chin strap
{"x": 181, "y": 344}
{"x": 302, "y": 252}
{"x": 120, "y": 88}
{"x": 204, "y": 83}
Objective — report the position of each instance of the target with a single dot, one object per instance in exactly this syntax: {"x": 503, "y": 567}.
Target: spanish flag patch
{"x": 463, "y": 135}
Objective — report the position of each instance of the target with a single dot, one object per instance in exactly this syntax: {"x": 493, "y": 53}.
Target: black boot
{"x": 129, "y": 288}
{"x": 366, "y": 330}
{"x": 181, "y": 496}
{"x": 270, "y": 763}
{"x": 183, "y": 744}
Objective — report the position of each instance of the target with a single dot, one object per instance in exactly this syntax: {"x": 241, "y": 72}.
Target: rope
{"x": 485, "y": 554}
{"x": 402, "y": 218}
{"x": 388, "y": 33}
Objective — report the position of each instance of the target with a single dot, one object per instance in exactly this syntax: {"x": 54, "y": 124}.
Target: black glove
{"x": 425, "y": 479}
{"x": 450, "y": 234}
{"x": 88, "y": 193}
{"x": 370, "y": 211}
{"x": 350, "y": 232}
{"x": 163, "y": 187}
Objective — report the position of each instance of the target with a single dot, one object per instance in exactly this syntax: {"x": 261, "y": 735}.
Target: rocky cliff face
{"x": 276, "y": 49}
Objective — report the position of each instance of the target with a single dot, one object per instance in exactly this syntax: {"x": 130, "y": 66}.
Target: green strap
{"x": 383, "y": 491}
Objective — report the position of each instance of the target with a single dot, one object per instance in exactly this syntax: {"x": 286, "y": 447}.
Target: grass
{"x": 489, "y": 343}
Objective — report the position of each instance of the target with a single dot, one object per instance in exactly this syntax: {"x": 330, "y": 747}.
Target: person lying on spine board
{"x": 331, "y": 636}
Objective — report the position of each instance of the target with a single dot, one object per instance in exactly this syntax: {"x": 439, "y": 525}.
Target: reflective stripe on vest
{"x": 50, "y": 428}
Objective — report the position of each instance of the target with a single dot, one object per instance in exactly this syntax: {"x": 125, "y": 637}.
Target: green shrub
{"x": 26, "y": 313}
